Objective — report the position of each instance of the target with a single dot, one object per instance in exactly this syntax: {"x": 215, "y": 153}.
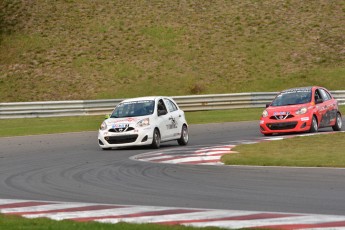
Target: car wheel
{"x": 314, "y": 125}
{"x": 338, "y": 123}
{"x": 184, "y": 136}
{"x": 156, "y": 139}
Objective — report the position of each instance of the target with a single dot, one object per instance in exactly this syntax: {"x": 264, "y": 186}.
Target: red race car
{"x": 301, "y": 110}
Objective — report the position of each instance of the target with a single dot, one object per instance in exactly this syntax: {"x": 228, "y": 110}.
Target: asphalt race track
{"x": 72, "y": 168}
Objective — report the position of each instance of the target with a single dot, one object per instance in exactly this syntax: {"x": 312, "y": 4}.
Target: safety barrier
{"x": 98, "y": 107}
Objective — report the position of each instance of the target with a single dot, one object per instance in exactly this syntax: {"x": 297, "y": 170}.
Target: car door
{"x": 331, "y": 107}
{"x": 163, "y": 121}
{"x": 175, "y": 118}
{"x": 323, "y": 107}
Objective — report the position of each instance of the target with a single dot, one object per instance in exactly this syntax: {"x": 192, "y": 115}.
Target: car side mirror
{"x": 267, "y": 105}
{"x": 162, "y": 112}
{"x": 318, "y": 101}
{"x": 107, "y": 116}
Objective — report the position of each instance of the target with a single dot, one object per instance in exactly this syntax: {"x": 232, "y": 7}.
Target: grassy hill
{"x": 80, "y": 49}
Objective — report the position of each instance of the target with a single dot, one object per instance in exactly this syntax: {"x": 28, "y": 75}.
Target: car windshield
{"x": 133, "y": 109}
{"x": 292, "y": 97}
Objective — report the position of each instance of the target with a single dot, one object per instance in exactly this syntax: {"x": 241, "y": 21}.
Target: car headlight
{"x": 103, "y": 126}
{"x": 302, "y": 110}
{"x": 144, "y": 122}
{"x": 264, "y": 113}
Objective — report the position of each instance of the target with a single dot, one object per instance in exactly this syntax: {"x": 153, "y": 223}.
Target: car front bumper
{"x": 136, "y": 137}
{"x": 296, "y": 124}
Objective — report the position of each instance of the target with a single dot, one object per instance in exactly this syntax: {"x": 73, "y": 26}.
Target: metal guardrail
{"x": 98, "y": 107}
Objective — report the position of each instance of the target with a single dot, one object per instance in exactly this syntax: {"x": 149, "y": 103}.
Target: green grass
{"x": 219, "y": 116}
{"x": 15, "y": 223}
{"x": 76, "y": 49}
{"x": 31, "y": 126}
{"x": 309, "y": 151}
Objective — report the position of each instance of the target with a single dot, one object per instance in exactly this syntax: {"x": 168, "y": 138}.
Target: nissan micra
{"x": 301, "y": 110}
{"x": 144, "y": 121}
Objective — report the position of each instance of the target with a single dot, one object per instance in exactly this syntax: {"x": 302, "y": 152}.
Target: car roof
{"x": 298, "y": 89}
{"x": 149, "y": 98}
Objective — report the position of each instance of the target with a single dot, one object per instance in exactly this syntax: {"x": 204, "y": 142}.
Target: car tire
{"x": 313, "y": 126}
{"x": 338, "y": 123}
{"x": 156, "y": 139}
{"x": 184, "y": 136}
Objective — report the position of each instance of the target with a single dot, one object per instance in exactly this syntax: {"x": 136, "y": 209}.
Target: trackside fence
{"x": 99, "y": 107}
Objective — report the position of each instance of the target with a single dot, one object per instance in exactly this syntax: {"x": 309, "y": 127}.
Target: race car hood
{"x": 282, "y": 110}
{"x": 131, "y": 121}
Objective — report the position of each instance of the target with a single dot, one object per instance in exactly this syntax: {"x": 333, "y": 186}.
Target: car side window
{"x": 161, "y": 106}
{"x": 325, "y": 96}
{"x": 317, "y": 95}
{"x": 171, "y": 105}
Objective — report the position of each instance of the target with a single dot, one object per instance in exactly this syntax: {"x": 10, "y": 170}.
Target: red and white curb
{"x": 200, "y": 156}
{"x": 108, "y": 213}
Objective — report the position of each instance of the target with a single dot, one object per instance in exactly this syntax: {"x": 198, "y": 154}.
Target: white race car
{"x": 144, "y": 121}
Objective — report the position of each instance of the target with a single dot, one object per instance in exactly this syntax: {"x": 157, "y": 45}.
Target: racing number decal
{"x": 173, "y": 124}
